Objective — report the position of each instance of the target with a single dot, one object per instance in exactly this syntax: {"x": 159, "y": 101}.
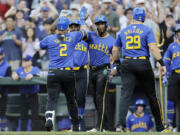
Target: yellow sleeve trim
{"x": 167, "y": 58}
{"x": 152, "y": 43}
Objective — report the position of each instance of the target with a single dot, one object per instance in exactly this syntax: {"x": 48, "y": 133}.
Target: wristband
{"x": 116, "y": 63}
{"x": 161, "y": 62}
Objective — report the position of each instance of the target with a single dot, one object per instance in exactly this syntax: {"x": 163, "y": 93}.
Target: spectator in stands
{"x": 122, "y": 18}
{"x": 46, "y": 11}
{"x": 5, "y": 70}
{"x": 75, "y": 9}
{"x": 128, "y": 14}
{"x": 4, "y": 7}
{"x": 112, "y": 17}
{"x": 10, "y": 39}
{"x": 166, "y": 31}
{"x": 29, "y": 93}
{"x": 19, "y": 19}
{"x": 29, "y": 42}
{"x": 21, "y": 6}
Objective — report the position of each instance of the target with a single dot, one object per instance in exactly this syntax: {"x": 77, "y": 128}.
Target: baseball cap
{"x": 169, "y": 15}
{"x": 107, "y": 1}
{"x": 75, "y": 6}
{"x": 27, "y": 58}
{"x": 140, "y": 1}
{"x": 1, "y": 50}
{"x": 44, "y": 9}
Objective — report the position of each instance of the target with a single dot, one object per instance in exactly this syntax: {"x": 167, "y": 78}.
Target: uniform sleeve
{"x": 118, "y": 42}
{"x": 150, "y": 124}
{"x": 151, "y": 40}
{"x": 18, "y": 71}
{"x": 128, "y": 123}
{"x": 79, "y": 35}
{"x": 44, "y": 43}
{"x": 167, "y": 59}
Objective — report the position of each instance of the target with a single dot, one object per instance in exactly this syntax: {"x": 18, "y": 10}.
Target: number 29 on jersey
{"x": 133, "y": 42}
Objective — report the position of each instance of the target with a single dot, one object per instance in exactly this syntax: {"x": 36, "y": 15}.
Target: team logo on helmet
{"x": 101, "y": 18}
{"x": 139, "y": 14}
{"x": 63, "y": 23}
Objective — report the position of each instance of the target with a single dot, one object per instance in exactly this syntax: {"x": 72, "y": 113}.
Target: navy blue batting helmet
{"x": 139, "y": 14}
{"x": 177, "y": 28}
{"x": 101, "y": 18}
{"x": 74, "y": 21}
{"x": 140, "y": 102}
{"x": 63, "y": 23}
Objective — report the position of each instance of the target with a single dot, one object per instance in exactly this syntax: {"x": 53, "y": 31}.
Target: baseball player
{"x": 136, "y": 40}
{"x": 80, "y": 63}
{"x": 139, "y": 121}
{"x": 100, "y": 48}
{"x": 5, "y": 70}
{"x": 172, "y": 60}
{"x": 61, "y": 74}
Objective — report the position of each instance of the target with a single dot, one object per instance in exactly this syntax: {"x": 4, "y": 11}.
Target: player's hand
{"x": 113, "y": 72}
{"x": 163, "y": 70}
{"x": 165, "y": 80}
{"x": 29, "y": 77}
{"x": 14, "y": 37}
{"x": 15, "y": 76}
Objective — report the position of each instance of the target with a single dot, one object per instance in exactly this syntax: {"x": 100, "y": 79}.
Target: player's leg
{"x": 81, "y": 89}
{"x": 173, "y": 90}
{"x": 34, "y": 105}
{"x": 128, "y": 85}
{"x": 171, "y": 113}
{"x": 101, "y": 88}
{"x": 53, "y": 86}
{"x": 24, "y": 111}
{"x": 110, "y": 107}
{"x": 150, "y": 89}
{"x": 70, "y": 93}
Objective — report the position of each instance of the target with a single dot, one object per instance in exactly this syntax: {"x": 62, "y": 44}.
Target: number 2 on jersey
{"x": 133, "y": 42}
{"x": 63, "y": 50}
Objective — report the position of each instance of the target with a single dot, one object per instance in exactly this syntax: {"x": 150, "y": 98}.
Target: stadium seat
{"x": 42, "y": 103}
{"x": 61, "y": 109}
{"x": 13, "y": 105}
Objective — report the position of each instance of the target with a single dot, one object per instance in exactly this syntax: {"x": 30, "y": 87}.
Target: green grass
{"x": 83, "y": 133}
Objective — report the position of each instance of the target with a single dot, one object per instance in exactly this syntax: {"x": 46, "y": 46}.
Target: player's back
{"x": 61, "y": 48}
{"x": 135, "y": 39}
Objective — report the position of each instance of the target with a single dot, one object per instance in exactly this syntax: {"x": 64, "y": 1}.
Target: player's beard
{"x": 101, "y": 31}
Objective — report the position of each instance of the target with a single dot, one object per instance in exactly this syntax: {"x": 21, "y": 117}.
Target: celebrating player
{"x": 136, "y": 40}
{"x": 61, "y": 74}
{"x": 100, "y": 48}
{"x": 172, "y": 60}
{"x": 80, "y": 64}
{"x": 139, "y": 121}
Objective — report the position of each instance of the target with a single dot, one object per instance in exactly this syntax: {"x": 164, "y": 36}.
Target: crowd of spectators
{"x": 23, "y": 23}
